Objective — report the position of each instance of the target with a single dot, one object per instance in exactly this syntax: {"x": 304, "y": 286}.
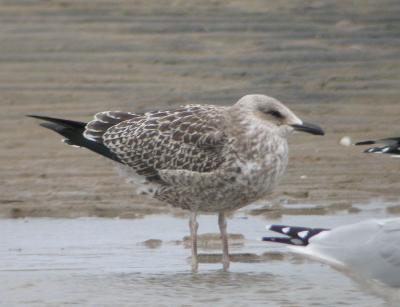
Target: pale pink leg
{"x": 193, "y": 234}
{"x": 224, "y": 238}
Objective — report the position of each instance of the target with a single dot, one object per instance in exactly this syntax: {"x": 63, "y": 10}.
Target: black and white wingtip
{"x": 295, "y": 235}
{"x": 384, "y": 150}
{"x": 392, "y": 146}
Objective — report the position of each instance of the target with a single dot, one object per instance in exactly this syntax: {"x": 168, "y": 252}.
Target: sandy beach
{"x": 335, "y": 64}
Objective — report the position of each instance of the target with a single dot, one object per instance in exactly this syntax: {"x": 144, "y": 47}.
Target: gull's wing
{"x": 189, "y": 138}
{"x": 371, "y": 247}
{"x": 392, "y": 146}
{"x": 388, "y": 242}
{"x": 381, "y": 252}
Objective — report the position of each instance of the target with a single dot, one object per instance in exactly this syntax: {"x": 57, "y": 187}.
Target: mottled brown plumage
{"x": 202, "y": 158}
{"x": 185, "y": 138}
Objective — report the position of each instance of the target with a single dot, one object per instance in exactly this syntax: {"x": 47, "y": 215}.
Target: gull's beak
{"x": 309, "y": 128}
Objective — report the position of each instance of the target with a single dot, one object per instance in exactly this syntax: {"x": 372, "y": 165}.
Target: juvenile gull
{"x": 370, "y": 248}
{"x": 202, "y": 158}
{"x": 391, "y": 146}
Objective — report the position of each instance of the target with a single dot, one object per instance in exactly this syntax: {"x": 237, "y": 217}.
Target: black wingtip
{"x": 48, "y": 125}
{"x": 369, "y": 142}
{"x": 52, "y": 126}
{"x": 46, "y": 118}
{"x": 73, "y": 131}
{"x": 291, "y": 231}
{"x": 295, "y": 235}
{"x": 34, "y": 116}
{"x": 392, "y": 141}
{"x": 60, "y": 121}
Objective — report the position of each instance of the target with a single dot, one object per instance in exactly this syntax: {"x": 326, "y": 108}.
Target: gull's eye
{"x": 275, "y": 113}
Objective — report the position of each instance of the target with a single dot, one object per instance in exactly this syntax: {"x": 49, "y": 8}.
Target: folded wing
{"x": 188, "y": 138}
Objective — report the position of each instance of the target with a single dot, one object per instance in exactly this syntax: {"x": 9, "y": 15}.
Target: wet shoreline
{"x": 111, "y": 261}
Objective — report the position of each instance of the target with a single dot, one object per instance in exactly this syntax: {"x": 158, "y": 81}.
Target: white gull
{"x": 370, "y": 248}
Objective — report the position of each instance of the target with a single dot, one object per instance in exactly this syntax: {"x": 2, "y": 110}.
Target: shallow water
{"x": 94, "y": 261}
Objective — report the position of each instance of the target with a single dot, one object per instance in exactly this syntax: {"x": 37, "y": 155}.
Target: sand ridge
{"x": 335, "y": 64}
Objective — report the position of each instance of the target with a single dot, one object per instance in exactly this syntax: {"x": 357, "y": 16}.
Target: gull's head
{"x": 274, "y": 114}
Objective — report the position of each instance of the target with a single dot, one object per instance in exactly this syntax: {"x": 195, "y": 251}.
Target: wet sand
{"x": 92, "y": 261}
{"x": 335, "y": 64}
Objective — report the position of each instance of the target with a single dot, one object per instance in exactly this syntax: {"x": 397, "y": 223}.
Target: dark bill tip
{"x": 309, "y": 128}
